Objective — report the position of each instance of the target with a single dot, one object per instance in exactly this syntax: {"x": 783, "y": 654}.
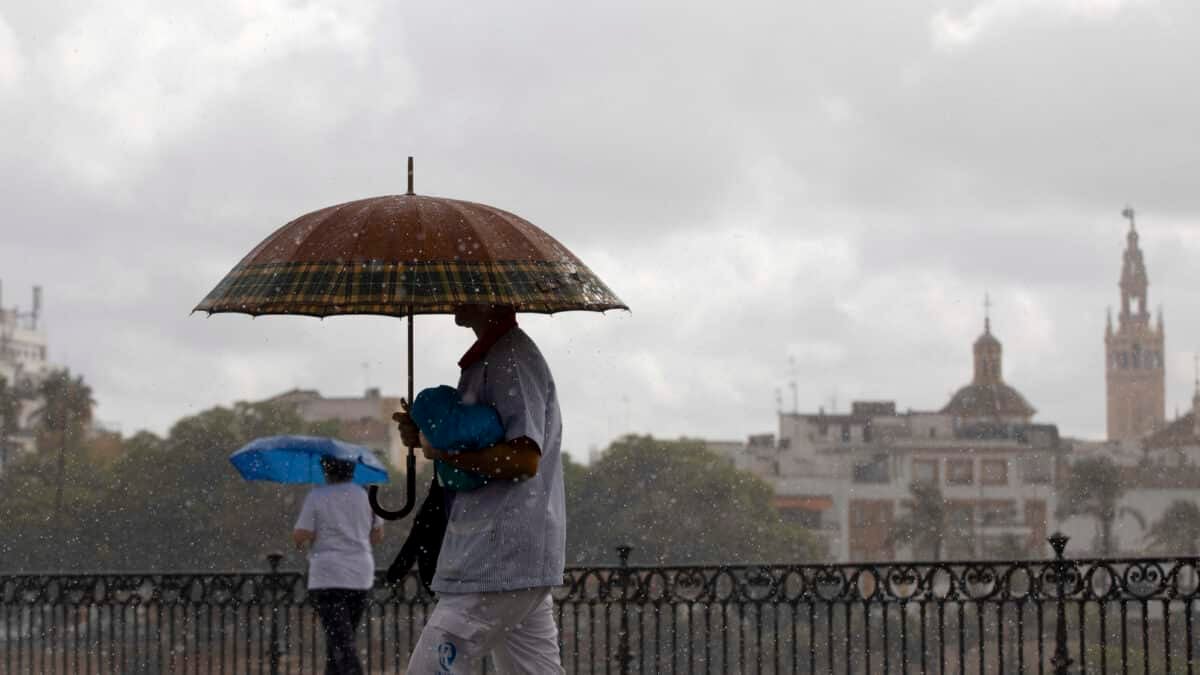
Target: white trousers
{"x": 516, "y": 627}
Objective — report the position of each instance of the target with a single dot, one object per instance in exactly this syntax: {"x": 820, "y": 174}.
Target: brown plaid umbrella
{"x": 402, "y": 255}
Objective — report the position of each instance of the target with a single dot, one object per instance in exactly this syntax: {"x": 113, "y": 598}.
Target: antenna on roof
{"x": 793, "y": 384}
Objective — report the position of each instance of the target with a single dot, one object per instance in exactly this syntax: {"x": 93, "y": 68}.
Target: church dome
{"x": 988, "y": 396}
{"x": 988, "y": 400}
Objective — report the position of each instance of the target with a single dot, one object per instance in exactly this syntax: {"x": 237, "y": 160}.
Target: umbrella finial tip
{"x": 410, "y": 175}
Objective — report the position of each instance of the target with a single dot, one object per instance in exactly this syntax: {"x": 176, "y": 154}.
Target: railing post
{"x": 1061, "y": 660}
{"x": 273, "y": 584}
{"x": 624, "y": 656}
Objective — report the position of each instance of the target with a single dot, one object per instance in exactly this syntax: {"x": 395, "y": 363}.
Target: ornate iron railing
{"x": 1046, "y": 616}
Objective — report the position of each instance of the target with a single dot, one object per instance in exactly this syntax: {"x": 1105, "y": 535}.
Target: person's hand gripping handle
{"x": 409, "y": 432}
{"x": 411, "y": 435}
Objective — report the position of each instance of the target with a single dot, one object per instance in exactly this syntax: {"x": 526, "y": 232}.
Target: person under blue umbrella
{"x": 337, "y": 528}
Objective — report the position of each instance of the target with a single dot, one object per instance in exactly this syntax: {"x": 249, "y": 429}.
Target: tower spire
{"x": 987, "y": 350}
{"x": 1196, "y": 369}
{"x": 1129, "y": 214}
{"x": 1134, "y": 282}
{"x": 1135, "y": 374}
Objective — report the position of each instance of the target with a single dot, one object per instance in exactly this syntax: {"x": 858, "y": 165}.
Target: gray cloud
{"x": 834, "y": 183}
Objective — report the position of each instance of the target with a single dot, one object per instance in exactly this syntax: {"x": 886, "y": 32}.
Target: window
{"x": 845, "y": 433}
{"x": 933, "y": 432}
{"x": 874, "y": 470}
{"x": 925, "y": 471}
{"x": 997, "y": 513}
{"x": 960, "y": 471}
{"x": 1036, "y": 469}
{"x": 1035, "y": 513}
{"x": 806, "y": 518}
{"x": 960, "y": 530}
{"x": 993, "y": 472}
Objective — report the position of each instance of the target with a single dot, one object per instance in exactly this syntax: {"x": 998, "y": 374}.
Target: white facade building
{"x": 848, "y": 476}
{"x": 23, "y": 364}
{"x": 365, "y": 420}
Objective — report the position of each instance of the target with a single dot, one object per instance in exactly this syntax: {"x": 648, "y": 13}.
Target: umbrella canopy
{"x": 408, "y": 254}
{"x": 297, "y": 459}
{"x": 402, "y": 255}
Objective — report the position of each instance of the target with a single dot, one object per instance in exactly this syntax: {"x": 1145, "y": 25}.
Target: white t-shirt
{"x": 341, "y": 518}
{"x": 510, "y": 535}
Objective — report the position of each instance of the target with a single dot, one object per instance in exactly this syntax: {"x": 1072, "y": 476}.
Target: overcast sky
{"x": 836, "y": 183}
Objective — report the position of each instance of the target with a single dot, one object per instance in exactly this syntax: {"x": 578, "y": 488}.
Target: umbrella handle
{"x": 410, "y": 497}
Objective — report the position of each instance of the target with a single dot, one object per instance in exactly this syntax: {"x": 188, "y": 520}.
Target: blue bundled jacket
{"x": 454, "y": 426}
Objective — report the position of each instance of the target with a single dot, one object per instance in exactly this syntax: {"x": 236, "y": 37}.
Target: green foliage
{"x": 175, "y": 503}
{"x": 923, "y": 526}
{"x": 10, "y": 407}
{"x": 66, "y": 409}
{"x": 167, "y": 503}
{"x": 1094, "y": 489}
{"x": 676, "y": 503}
{"x": 63, "y": 419}
{"x": 1177, "y": 532}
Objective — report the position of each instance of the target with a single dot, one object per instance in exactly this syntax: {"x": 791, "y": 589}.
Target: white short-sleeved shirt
{"x": 510, "y": 535}
{"x": 341, "y": 517}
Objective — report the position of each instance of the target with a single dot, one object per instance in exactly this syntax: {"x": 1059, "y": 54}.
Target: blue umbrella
{"x": 297, "y": 459}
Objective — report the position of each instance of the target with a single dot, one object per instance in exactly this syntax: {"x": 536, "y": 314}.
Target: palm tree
{"x": 1094, "y": 489}
{"x": 10, "y": 411}
{"x": 64, "y": 417}
{"x": 923, "y": 527}
{"x": 1177, "y": 532}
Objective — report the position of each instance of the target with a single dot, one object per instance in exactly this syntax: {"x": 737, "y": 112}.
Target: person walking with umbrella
{"x": 409, "y": 254}
{"x": 505, "y": 543}
{"x": 337, "y": 529}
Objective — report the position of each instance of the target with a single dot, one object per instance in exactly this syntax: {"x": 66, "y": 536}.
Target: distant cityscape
{"x": 849, "y": 476}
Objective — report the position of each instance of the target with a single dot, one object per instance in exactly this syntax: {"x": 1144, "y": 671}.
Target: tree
{"x": 676, "y": 503}
{"x": 35, "y": 532}
{"x": 63, "y": 419}
{"x": 1177, "y": 532}
{"x": 1094, "y": 489}
{"x": 164, "y": 504}
{"x": 176, "y": 502}
{"x": 10, "y": 412}
{"x": 924, "y": 526}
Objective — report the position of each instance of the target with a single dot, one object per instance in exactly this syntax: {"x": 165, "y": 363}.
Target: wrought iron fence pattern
{"x": 1043, "y": 616}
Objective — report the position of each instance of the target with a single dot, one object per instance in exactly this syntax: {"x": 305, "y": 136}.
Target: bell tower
{"x": 1135, "y": 370}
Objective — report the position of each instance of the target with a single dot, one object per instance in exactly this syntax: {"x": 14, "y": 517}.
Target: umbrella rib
{"x": 466, "y": 212}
